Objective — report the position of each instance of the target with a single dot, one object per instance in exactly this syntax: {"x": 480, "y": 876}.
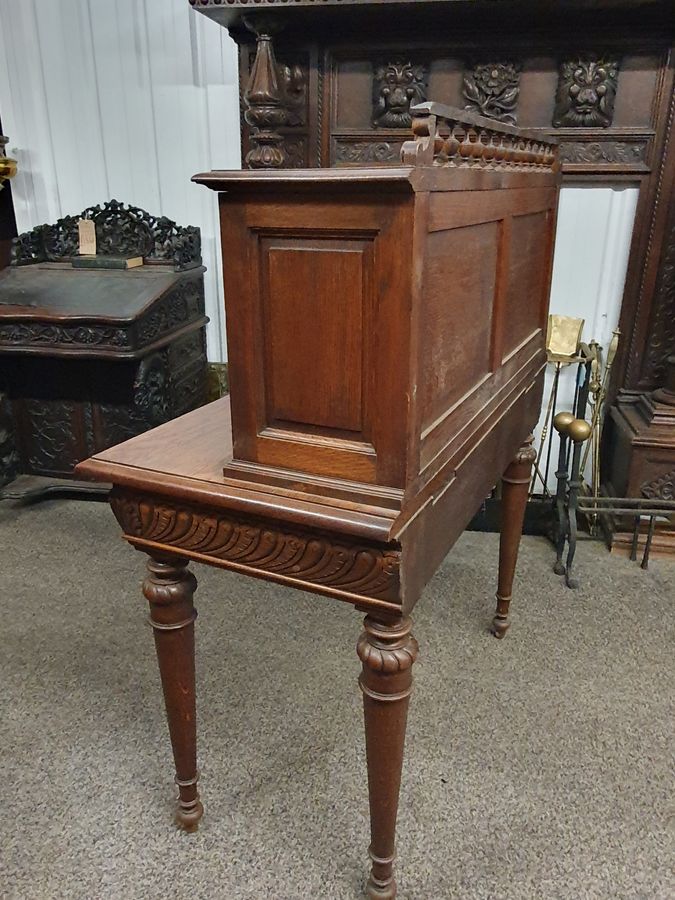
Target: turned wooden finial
{"x": 266, "y": 111}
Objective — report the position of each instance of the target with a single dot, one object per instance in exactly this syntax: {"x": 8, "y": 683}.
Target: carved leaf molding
{"x": 367, "y": 152}
{"x": 594, "y": 152}
{"x": 369, "y": 571}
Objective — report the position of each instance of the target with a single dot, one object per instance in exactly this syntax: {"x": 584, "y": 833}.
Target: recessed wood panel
{"x": 456, "y": 315}
{"x": 314, "y": 308}
{"x": 527, "y": 278}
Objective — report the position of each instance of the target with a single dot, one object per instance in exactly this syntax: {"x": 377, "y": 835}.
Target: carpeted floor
{"x": 538, "y": 767}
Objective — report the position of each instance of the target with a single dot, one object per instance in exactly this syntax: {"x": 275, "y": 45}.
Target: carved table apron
{"x": 176, "y": 509}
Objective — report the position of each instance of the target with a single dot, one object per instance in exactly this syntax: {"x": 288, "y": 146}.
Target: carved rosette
{"x": 586, "y": 92}
{"x": 492, "y": 89}
{"x": 321, "y": 562}
{"x": 662, "y": 488}
{"x": 397, "y": 86}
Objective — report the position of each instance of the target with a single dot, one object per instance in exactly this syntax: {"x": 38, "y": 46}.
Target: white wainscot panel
{"x": 595, "y": 225}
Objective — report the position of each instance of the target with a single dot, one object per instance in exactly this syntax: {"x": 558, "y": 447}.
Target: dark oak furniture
{"x": 330, "y": 83}
{"x": 385, "y": 333}
{"x": 90, "y": 357}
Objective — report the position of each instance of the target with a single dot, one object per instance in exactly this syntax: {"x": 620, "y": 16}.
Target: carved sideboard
{"x": 90, "y": 357}
{"x": 330, "y": 83}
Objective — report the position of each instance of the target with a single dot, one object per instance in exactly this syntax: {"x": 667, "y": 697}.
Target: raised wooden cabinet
{"x": 385, "y": 326}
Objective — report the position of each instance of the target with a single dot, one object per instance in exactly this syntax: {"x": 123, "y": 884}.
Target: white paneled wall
{"x": 595, "y": 224}
{"x": 129, "y": 98}
{"x": 124, "y": 99}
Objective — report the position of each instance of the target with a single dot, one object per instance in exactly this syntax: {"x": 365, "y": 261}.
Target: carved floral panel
{"x": 491, "y": 89}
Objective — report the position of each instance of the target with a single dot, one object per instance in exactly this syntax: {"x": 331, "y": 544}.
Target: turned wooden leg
{"x": 387, "y": 651}
{"x": 515, "y": 487}
{"x": 169, "y": 588}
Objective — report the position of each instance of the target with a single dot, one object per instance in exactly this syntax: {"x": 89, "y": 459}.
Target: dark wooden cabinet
{"x": 330, "y": 83}
{"x": 89, "y": 358}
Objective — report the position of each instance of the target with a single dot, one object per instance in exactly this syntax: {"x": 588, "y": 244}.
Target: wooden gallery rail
{"x": 385, "y": 340}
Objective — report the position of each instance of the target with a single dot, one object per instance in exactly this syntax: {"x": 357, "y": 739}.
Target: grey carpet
{"x": 538, "y": 767}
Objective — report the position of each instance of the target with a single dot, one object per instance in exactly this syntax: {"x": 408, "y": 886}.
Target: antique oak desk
{"x": 386, "y": 362}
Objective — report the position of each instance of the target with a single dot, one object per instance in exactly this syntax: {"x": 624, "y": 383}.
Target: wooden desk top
{"x": 183, "y": 460}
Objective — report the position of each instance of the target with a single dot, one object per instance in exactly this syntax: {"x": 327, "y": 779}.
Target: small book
{"x": 106, "y": 262}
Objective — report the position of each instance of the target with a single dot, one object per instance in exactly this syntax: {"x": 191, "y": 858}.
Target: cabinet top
{"x": 231, "y": 12}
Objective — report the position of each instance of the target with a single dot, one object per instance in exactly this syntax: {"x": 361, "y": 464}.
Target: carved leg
{"x": 516, "y": 480}
{"x": 387, "y": 651}
{"x": 169, "y": 588}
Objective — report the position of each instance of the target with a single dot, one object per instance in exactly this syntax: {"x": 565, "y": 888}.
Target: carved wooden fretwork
{"x": 397, "y": 86}
{"x": 9, "y": 456}
{"x": 491, "y": 89}
{"x": 586, "y": 92}
{"x": 661, "y": 343}
{"x": 151, "y": 389}
{"x": 662, "y": 488}
{"x": 261, "y": 546}
{"x": 120, "y": 231}
{"x": 293, "y": 85}
{"x": 295, "y": 151}
{"x": 446, "y": 136}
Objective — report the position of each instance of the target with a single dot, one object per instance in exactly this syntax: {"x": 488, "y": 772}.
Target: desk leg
{"x": 387, "y": 651}
{"x": 515, "y": 488}
{"x": 169, "y": 587}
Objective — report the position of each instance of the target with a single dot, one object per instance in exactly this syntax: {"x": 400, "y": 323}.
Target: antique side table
{"x": 386, "y": 351}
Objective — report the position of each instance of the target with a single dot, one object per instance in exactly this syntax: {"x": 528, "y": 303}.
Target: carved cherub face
{"x": 396, "y": 87}
{"x": 586, "y": 92}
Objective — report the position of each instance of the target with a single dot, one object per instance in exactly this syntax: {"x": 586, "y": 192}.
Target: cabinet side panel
{"x": 457, "y": 322}
{"x": 314, "y": 297}
{"x": 527, "y": 278}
